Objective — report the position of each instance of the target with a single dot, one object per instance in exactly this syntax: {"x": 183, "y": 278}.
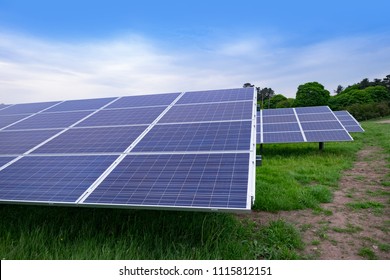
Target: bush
{"x": 363, "y": 112}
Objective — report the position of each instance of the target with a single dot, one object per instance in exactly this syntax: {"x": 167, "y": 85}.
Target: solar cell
{"x": 75, "y": 105}
{"x": 2, "y": 106}
{"x": 10, "y": 119}
{"x": 123, "y": 116}
{"x": 93, "y": 140}
{"x": 348, "y": 121}
{"x": 5, "y": 160}
{"x": 325, "y": 125}
{"x": 312, "y": 110}
{"x": 177, "y": 180}
{"x": 27, "y": 108}
{"x": 216, "y": 136}
{"x": 54, "y": 179}
{"x": 222, "y": 95}
{"x": 209, "y": 112}
{"x": 282, "y": 137}
{"x": 50, "y": 120}
{"x": 327, "y": 135}
{"x": 278, "y": 112}
{"x": 19, "y": 142}
{"x": 281, "y": 127}
{"x": 279, "y": 119}
{"x": 317, "y": 117}
{"x": 144, "y": 100}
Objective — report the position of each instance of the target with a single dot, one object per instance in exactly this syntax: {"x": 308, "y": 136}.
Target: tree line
{"x": 364, "y": 100}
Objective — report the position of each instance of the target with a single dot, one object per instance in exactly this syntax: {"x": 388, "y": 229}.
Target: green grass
{"x": 367, "y": 253}
{"x": 365, "y": 205}
{"x": 292, "y": 177}
{"x": 348, "y": 229}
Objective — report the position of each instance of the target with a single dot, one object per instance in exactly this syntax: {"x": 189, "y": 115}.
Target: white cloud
{"x": 34, "y": 69}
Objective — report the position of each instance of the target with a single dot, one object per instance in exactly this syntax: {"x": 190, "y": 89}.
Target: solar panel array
{"x": 348, "y": 121}
{"x": 304, "y": 124}
{"x": 190, "y": 150}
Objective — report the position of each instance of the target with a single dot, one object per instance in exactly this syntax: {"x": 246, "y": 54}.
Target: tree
{"x": 263, "y": 95}
{"x": 275, "y": 100}
{"x": 339, "y": 89}
{"x": 311, "y": 94}
{"x": 247, "y": 85}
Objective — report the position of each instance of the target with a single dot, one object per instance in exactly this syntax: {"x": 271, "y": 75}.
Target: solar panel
{"x": 218, "y": 136}
{"x": 10, "y": 119}
{"x": 348, "y": 121}
{"x": 144, "y": 100}
{"x": 2, "y": 106}
{"x": 50, "y": 120}
{"x": 138, "y": 151}
{"x": 51, "y": 179}
{"x": 185, "y": 180}
{"x": 217, "y": 96}
{"x": 305, "y": 124}
{"x": 76, "y": 105}
{"x": 123, "y": 116}
{"x": 27, "y": 108}
{"x": 19, "y": 142}
{"x": 5, "y": 160}
{"x": 92, "y": 140}
{"x": 209, "y": 112}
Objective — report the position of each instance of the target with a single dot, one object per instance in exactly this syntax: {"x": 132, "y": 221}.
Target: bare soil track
{"x": 340, "y": 230}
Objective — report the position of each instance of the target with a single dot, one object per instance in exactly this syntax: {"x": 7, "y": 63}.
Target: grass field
{"x": 292, "y": 177}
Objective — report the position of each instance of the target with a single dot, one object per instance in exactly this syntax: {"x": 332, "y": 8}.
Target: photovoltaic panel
{"x": 5, "y": 160}
{"x": 283, "y": 127}
{"x": 50, "y": 120}
{"x": 148, "y": 152}
{"x": 216, "y": 136}
{"x": 19, "y": 142}
{"x": 123, "y": 116}
{"x": 317, "y": 117}
{"x": 10, "y": 119}
{"x": 325, "y": 125}
{"x": 177, "y": 180}
{"x": 209, "y": 112}
{"x": 312, "y": 110}
{"x": 283, "y": 137}
{"x": 76, "y": 105}
{"x": 217, "y": 96}
{"x": 348, "y": 121}
{"x": 279, "y": 119}
{"x": 306, "y": 124}
{"x": 278, "y": 112}
{"x": 327, "y": 135}
{"x": 2, "y": 106}
{"x": 51, "y": 179}
{"x": 27, "y": 108}
{"x": 93, "y": 140}
{"x": 144, "y": 100}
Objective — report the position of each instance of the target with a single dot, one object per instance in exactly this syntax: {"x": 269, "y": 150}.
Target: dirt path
{"x": 356, "y": 225}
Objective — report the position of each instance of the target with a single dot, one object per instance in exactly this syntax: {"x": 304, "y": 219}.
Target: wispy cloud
{"x": 33, "y": 69}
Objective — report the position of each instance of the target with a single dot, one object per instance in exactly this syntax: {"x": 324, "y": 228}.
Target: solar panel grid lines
{"x": 28, "y": 108}
{"x": 51, "y": 179}
{"x": 139, "y": 101}
{"x": 217, "y": 96}
{"x": 112, "y": 167}
{"x": 26, "y": 116}
{"x": 8, "y": 120}
{"x": 236, "y": 125}
{"x": 80, "y": 105}
{"x": 197, "y": 181}
{"x": 348, "y": 121}
{"x": 4, "y": 160}
{"x": 314, "y": 123}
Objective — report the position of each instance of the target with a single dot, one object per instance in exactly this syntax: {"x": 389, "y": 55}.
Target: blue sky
{"x": 58, "y": 50}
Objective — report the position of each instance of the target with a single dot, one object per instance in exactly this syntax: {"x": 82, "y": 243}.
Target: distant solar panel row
{"x": 305, "y": 124}
{"x": 176, "y": 150}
